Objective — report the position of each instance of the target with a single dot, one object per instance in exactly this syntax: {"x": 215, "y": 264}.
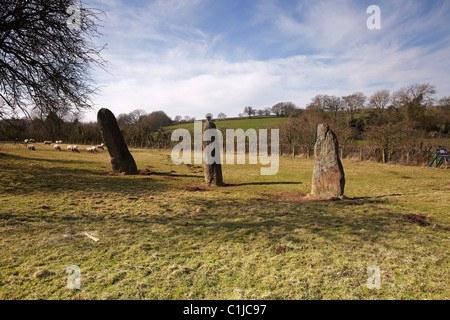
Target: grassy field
{"x": 164, "y": 235}
{"x": 253, "y": 123}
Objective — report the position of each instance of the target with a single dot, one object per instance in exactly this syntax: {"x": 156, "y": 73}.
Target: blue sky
{"x": 191, "y": 57}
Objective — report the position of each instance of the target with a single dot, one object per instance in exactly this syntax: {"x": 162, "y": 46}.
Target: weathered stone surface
{"x": 328, "y": 178}
{"x": 213, "y": 171}
{"x": 121, "y": 158}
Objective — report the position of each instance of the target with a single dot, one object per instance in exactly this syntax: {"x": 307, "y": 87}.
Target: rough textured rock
{"x": 121, "y": 158}
{"x": 213, "y": 172}
{"x": 328, "y": 179}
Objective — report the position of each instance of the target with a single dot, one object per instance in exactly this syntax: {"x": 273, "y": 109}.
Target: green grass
{"x": 253, "y": 123}
{"x": 167, "y": 236}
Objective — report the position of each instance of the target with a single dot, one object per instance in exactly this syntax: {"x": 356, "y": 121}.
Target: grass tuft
{"x": 163, "y": 234}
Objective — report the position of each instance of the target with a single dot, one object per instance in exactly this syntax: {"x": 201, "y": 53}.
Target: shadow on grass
{"x": 22, "y": 158}
{"x": 40, "y": 179}
{"x": 268, "y": 183}
{"x": 234, "y": 220}
{"x": 276, "y": 222}
{"x": 59, "y": 219}
{"x": 383, "y": 196}
{"x": 171, "y": 174}
{"x": 281, "y": 220}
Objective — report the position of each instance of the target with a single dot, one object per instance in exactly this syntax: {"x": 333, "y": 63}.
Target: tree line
{"x": 46, "y": 65}
{"x": 46, "y": 70}
{"x": 138, "y": 128}
{"x": 402, "y": 126}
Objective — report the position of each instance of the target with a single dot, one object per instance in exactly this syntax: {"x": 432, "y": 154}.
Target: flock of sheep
{"x": 93, "y": 149}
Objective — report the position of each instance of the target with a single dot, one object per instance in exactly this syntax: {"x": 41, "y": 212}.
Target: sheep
{"x": 26, "y": 141}
{"x": 59, "y": 142}
{"x": 101, "y": 146}
{"x": 47, "y": 142}
{"x": 31, "y": 147}
{"x": 73, "y": 149}
{"x": 57, "y": 147}
{"x": 92, "y": 149}
{"x": 32, "y": 140}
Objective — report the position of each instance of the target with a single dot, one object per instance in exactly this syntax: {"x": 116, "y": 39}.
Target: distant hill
{"x": 237, "y": 123}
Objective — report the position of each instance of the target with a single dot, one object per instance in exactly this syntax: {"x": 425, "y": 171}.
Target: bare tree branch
{"x": 44, "y": 64}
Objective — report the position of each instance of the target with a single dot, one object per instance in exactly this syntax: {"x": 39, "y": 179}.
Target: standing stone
{"x": 328, "y": 178}
{"x": 121, "y": 158}
{"x": 213, "y": 171}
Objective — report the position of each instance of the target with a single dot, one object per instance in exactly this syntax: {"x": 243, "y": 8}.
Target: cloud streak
{"x": 174, "y": 56}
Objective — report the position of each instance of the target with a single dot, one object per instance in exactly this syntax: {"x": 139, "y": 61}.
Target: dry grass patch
{"x": 165, "y": 235}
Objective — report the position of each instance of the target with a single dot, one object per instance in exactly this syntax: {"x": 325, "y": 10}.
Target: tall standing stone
{"x": 328, "y": 178}
{"x": 213, "y": 171}
{"x": 121, "y": 158}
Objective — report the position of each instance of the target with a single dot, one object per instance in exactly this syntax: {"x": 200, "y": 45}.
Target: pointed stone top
{"x": 328, "y": 179}
{"x": 322, "y": 128}
{"x": 121, "y": 158}
{"x": 209, "y": 124}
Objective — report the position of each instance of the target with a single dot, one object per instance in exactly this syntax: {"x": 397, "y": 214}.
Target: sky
{"x": 192, "y": 57}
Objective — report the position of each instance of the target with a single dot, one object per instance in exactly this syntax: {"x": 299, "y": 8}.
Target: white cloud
{"x": 166, "y": 62}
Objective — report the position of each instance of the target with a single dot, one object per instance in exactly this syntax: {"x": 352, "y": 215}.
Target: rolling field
{"x": 244, "y": 124}
{"x": 164, "y": 235}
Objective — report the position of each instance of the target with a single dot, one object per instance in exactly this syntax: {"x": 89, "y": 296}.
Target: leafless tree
{"x": 425, "y": 91}
{"x": 277, "y": 109}
{"x": 250, "y": 111}
{"x": 283, "y": 109}
{"x": 333, "y": 105}
{"x": 380, "y": 100}
{"x": 444, "y": 102}
{"x": 412, "y": 100}
{"x": 47, "y": 58}
{"x": 353, "y": 103}
{"x": 221, "y": 115}
{"x": 385, "y": 137}
{"x": 154, "y": 121}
